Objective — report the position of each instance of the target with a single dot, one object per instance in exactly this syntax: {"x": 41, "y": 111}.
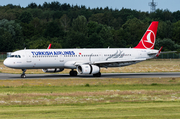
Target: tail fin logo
{"x": 148, "y": 40}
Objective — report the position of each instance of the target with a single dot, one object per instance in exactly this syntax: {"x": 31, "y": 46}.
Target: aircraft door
{"x": 100, "y": 56}
{"x": 61, "y": 59}
{"x": 28, "y": 57}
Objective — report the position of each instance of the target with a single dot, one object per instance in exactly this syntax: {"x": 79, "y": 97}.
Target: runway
{"x": 5, "y": 76}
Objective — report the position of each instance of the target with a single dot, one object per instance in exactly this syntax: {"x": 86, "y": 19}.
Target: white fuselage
{"x": 86, "y": 61}
{"x": 70, "y": 58}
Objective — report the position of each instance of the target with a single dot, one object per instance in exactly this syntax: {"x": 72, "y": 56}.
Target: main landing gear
{"x": 23, "y": 75}
{"x": 97, "y": 75}
{"x": 73, "y": 73}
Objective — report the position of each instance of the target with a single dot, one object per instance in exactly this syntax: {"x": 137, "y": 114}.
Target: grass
{"x": 87, "y": 91}
{"x": 155, "y": 65}
{"x": 90, "y": 98}
{"x": 137, "y": 98}
{"x": 162, "y": 110}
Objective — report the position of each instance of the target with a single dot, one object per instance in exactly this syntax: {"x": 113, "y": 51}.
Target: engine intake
{"x": 88, "y": 69}
{"x": 53, "y": 70}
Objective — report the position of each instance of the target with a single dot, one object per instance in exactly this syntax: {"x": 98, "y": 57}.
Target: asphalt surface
{"x": 4, "y": 76}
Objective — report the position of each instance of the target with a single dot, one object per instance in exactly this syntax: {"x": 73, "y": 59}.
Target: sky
{"x": 139, "y": 5}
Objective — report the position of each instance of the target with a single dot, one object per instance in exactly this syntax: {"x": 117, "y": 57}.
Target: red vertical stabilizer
{"x": 148, "y": 40}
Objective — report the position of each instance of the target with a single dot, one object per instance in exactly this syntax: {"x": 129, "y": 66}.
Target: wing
{"x": 119, "y": 61}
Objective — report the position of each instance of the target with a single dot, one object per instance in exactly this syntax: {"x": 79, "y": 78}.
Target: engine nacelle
{"x": 53, "y": 70}
{"x": 88, "y": 69}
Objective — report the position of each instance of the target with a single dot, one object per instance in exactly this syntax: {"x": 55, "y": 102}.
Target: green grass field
{"x": 90, "y": 98}
{"x": 126, "y": 98}
{"x": 151, "y": 110}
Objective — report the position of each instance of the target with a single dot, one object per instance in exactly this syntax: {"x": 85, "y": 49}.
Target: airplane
{"x": 85, "y": 61}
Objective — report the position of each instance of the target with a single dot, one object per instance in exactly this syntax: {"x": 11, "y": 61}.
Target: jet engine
{"x": 53, "y": 70}
{"x": 88, "y": 69}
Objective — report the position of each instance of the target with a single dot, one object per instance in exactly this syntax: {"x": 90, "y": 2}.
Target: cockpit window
{"x": 12, "y": 56}
{"x": 16, "y": 56}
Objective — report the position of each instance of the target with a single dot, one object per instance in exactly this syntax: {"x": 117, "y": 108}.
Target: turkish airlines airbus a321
{"x": 86, "y": 61}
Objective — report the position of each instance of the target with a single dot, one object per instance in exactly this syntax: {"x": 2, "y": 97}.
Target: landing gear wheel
{"x": 97, "y": 75}
{"x": 73, "y": 73}
{"x": 23, "y": 76}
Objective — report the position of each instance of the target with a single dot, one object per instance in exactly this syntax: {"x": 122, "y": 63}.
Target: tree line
{"x": 68, "y": 26}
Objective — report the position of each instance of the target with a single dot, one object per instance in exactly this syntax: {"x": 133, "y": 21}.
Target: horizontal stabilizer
{"x": 168, "y": 52}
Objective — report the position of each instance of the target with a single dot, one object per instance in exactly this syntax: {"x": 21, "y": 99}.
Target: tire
{"x": 97, "y": 75}
{"x": 23, "y": 76}
{"x": 73, "y": 73}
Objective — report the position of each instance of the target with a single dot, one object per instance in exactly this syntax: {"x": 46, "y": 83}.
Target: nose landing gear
{"x": 23, "y": 75}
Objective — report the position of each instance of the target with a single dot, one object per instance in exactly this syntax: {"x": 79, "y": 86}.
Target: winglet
{"x": 49, "y": 46}
{"x": 159, "y": 52}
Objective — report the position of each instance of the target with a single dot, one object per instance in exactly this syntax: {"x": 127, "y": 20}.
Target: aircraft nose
{"x": 6, "y": 63}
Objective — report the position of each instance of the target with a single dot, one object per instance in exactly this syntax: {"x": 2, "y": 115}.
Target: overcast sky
{"x": 140, "y": 5}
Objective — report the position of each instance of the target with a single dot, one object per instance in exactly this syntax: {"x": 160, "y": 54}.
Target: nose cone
{"x": 6, "y": 62}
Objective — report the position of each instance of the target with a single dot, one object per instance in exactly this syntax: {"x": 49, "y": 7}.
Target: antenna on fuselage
{"x": 25, "y": 48}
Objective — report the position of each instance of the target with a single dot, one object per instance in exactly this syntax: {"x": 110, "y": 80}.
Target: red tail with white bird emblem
{"x": 148, "y": 40}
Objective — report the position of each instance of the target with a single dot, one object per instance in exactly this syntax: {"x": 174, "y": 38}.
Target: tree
{"x": 6, "y": 43}
{"x": 176, "y": 15}
{"x": 54, "y": 5}
{"x": 168, "y": 44}
{"x": 25, "y": 17}
{"x": 35, "y": 12}
{"x": 165, "y": 30}
{"x": 47, "y": 15}
{"x": 37, "y": 27}
{"x": 32, "y": 5}
{"x": 57, "y": 15}
{"x": 97, "y": 17}
{"x": 53, "y": 29}
{"x": 27, "y": 30}
{"x": 42, "y": 43}
{"x": 107, "y": 19}
{"x": 107, "y": 37}
{"x": 75, "y": 40}
{"x": 11, "y": 35}
{"x": 92, "y": 27}
{"x": 80, "y": 24}
{"x": 65, "y": 21}
{"x": 95, "y": 41}
{"x": 65, "y": 7}
{"x": 134, "y": 30}
{"x": 176, "y": 31}
{"x": 118, "y": 37}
